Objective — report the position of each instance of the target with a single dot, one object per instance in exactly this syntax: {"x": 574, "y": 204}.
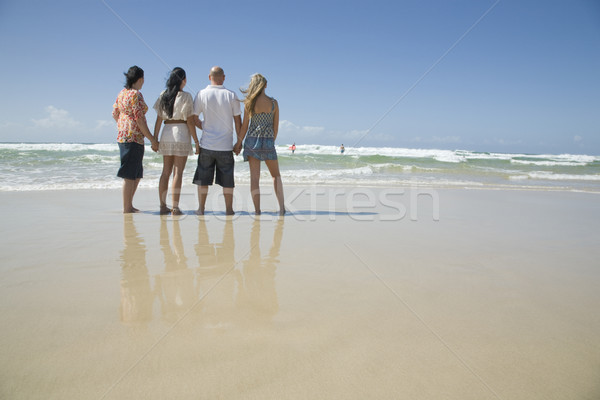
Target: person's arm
{"x": 191, "y": 124}
{"x": 138, "y": 114}
{"x": 237, "y": 120}
{"x": 197, "y": 121}
{"x": 143, "y": 125}
{"x": 241, "y": 133}
{"x": 157, "y": 125}
{"x": 116, "y": 113}
{"x": 276, "y": 120}
{"x": 197, "y": 110}
{"x": 237, "y": 114}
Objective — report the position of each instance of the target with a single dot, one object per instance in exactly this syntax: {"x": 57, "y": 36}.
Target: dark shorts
{"x": 205, "y": 172}
{"x": 132, "y": 155}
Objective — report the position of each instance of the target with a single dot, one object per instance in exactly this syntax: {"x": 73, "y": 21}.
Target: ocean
{"x": 61, "y": 166}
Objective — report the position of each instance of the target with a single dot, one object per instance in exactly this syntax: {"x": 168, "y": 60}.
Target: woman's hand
{"x": 154, "y": 145}
{"x": 237, "y": 148}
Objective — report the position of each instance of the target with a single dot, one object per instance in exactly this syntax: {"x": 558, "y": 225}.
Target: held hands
{"x": 237, "y": 148}
{"x": 154, "y": 145}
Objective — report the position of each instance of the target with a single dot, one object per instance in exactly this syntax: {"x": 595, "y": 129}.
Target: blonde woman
{"x": 260, "y": 126}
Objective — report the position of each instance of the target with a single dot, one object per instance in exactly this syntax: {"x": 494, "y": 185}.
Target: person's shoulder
{"x": 133, "y": 95}
{"x": 183, "y": 94}
{"x": 228, "y": 91}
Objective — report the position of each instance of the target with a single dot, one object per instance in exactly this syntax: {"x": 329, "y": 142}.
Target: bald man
{"x": 220, "y": 108}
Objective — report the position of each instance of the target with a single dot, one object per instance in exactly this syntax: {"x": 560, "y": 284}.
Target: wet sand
{"x": 357, "y": 293}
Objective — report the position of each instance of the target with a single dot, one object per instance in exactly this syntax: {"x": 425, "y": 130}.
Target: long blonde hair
{"x": 255, "y": 88}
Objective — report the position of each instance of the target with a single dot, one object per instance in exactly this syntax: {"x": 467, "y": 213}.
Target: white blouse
{"x": 183, "y": 108}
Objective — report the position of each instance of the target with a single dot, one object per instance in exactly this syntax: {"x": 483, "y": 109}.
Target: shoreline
{"x": 42, "y": 167}
{"x": 264, "y": 187}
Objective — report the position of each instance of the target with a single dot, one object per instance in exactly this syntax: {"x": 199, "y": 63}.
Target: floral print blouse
{"x": 128, "y": 108}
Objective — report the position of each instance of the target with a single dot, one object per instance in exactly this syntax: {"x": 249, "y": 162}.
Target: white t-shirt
{"x": 218, "y": 105}
{"x": 182, "y": 109}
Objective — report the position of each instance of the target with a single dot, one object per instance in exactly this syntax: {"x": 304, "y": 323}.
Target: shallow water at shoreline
{"x": 56, "y": 166}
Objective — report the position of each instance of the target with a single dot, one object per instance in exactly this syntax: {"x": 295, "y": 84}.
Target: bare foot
{"x": 131, "y": 211}
{"x": 164, "y": 210}
{"x": 199, "y": 211}
{"x": 282, "y": 212}
{"x": 176, "y": 211}
{"x": 257, "y": 212}
{"x": 229, "y": 212}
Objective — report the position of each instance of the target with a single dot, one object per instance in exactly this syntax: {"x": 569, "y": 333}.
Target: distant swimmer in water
{"x": 342, "y": 148}
{"x": 293, "y": 148}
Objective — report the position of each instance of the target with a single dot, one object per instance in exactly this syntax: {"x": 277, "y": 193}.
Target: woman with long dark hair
{"x": 176, "y": 108}
{"x": 129, "y": 111}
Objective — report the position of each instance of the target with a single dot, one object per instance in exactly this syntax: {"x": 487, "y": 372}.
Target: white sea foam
{"x": 549, "y": 163}
{"x": 63, "y": 166}
{"x": 63, "y": 147}
{"x": 555, "y": 177}
{"x": 518, "y": 177}
{"x": 440, "y": 155}
{"x": 563, "y": 177}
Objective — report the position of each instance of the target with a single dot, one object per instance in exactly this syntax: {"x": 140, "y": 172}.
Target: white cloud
{"x": 101, "y": 124}
{"x": 437, "y": 139}
{"x": 291, "y": 128}
{"x": 505, "y": 142}
{"x": 57, "y": 118}
{"x": 10, "y": 125}
{"x": 318, "y": 134}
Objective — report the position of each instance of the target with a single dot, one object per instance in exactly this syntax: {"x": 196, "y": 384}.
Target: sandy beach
{"x": 358, "y": 293}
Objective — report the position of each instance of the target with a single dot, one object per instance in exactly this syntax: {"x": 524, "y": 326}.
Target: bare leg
{"x": 254, "y": 164}
{"x": 163, "y": 183}
{"x": 129, "y": 188}
{"x": 273, "y": 166}
{"x": 202, "y": 194}
{"x": 179, "y": 166}
{"x": 135, "y": 186}
{"x": 228, "y": 195}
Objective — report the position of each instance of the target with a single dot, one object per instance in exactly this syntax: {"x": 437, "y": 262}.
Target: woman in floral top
{"x": 129, "y": 111}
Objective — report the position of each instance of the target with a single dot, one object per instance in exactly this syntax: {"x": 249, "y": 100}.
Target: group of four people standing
{"x": 180, "y": 114}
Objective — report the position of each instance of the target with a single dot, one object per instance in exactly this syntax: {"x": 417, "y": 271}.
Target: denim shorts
{"x": 208, "y": 161}
{"x": 132, "y": 155}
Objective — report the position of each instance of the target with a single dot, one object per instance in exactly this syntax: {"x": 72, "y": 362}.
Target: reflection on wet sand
{"x": 257, "y": 295}
{"x": 136, "y": 294}
{"x": 175, "y": 286}
{"x": 216, "y": 276}
{"x": 221, "y": 295}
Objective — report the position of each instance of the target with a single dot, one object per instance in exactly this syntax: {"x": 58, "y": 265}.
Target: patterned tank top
{"x": 261, "y": 124}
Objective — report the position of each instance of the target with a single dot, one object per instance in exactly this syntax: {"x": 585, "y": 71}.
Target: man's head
{"x": 216, "y": 75}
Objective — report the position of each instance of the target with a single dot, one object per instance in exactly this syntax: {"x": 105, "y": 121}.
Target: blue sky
{"x": 525, "y": 78}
